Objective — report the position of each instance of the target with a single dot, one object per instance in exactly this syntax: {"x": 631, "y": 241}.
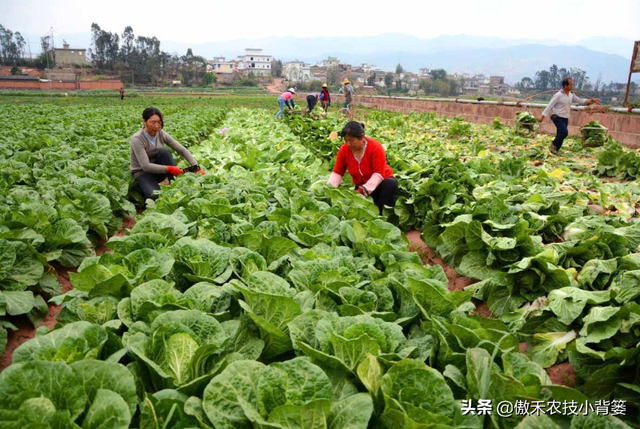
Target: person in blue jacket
{"x": 325, "y": 97}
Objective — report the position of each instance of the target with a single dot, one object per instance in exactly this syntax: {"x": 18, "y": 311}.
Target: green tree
{"x": 128, "y": 45}
{"x": 209, "y": 78}
{"x": 438, "y": 74}
{"x": 526, "y": 83}
{"x": 543, "y": 80}
{"x": 453, "y": 87}
{"x": 276, "y": 68}
{"x": 106, "y": 47}
{"x": 399, "y": 69}
{"x": 388, "y": 80}
{"x": 9, "y": 48}
{"x": 425, "y": 85}
{"x": 371, "y": 79}
{"x": 555, "y": 79}
{"x": 332, "y": 76}
{"x": 580, "y": 78}
{"x": 441, "y": 87}
{"x": 46, "y": 57}
{"x": 15, "y": 71}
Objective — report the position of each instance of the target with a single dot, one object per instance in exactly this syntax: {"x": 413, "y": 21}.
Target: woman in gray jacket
{"x": 151, "y": 161}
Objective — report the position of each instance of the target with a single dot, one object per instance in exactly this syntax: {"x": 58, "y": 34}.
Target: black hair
{"x": 565, "y": 81}
{"x": 353, "y": 129}
{"x": 150, "y": 111}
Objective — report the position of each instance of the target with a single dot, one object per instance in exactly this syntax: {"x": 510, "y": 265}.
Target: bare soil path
{"x": 276, "y": 87}
{"x": 562, "y": 373}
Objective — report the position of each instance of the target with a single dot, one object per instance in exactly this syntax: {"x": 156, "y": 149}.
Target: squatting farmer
{"x": 560, "y": 109}
{"x": 325, "y": 97}
{"x": 366, "y": 162}
{"x": 283, "y": 99}
{"x": 151, "y": 162}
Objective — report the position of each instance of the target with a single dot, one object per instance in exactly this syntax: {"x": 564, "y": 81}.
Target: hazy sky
{"x": 213, "y": 20}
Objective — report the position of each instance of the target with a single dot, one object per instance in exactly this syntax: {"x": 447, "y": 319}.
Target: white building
{"x": 253, "y": 61}
{"x": 368, "y": 68}
{"x": 297, "y": 71}
{"x": 330, "y": 62}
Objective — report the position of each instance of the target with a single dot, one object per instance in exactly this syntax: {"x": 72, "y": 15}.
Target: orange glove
{"x": 201, "y": 171}
{"x": 173, "y": 170}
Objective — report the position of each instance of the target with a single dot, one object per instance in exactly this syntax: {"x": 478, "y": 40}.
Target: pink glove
{"x": 173, "y": 170}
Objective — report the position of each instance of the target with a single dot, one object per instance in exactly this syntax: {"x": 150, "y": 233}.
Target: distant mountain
{"x": 610, "y": 45}
{"x": 514, "y": 62}
{"x": 512, "y": 58}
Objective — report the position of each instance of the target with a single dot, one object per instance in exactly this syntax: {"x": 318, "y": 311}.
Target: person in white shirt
{"x": 560, "y": 109}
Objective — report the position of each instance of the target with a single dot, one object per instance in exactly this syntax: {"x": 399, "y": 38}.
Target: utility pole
{"x": 48, "y": 68}
{"x": 53, "y": 48}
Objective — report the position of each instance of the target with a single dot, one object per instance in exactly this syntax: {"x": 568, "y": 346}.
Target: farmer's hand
{"x": 201, "y": 171}
{"x": 595, "y": 101}
{"x": 173, "y": 170}
{"x": 541, "y": 118}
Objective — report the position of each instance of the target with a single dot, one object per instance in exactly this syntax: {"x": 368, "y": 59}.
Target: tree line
{"x": 12, "y": 47}
{"x": 136, "y": 59}
{"x": 139, "y": 59}
{"x": 552, "y": 79}
{"x": 437, "y": 82}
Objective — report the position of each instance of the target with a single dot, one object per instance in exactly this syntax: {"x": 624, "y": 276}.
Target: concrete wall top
{"x": 624, "y": 128}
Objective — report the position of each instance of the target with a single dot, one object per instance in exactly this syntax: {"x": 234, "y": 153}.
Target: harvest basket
{"x": 527, "y": 129}
{"x": 593, "y": 136}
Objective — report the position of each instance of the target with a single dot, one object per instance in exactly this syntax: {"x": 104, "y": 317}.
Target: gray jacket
{"x": 349, "y": 92}
{"x": 144, "y": 153}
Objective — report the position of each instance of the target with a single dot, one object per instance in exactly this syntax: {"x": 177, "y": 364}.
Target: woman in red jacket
{"x": 366, "y": 162}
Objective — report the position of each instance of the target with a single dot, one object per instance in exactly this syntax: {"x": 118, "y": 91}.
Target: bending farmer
{"x": 560, "y": 109}
{"x": 366, "y": 162}
{"x": 151, "y": 161}
{"x": 312, "y": 100}
{"x": 283, "y": 99}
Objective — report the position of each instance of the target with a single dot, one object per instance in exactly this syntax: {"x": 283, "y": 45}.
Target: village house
{"x": 224, "y": 70}
{"x": 254, "y": 62}
{"x": 296, "y": 71}
{"x": 68, "y": 56}
{"x": 329, "y": 63}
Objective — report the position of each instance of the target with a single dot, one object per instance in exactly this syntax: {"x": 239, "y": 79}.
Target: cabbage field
{"x": 257, "y": 296}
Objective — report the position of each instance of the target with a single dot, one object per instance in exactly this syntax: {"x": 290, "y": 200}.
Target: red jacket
{"x": 373, "y": 162}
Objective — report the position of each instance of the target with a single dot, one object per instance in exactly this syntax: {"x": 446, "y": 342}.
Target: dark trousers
{"x": 563, "y": 130}
{"x": 385, "y": 194}
{"x": 311, "y": 102}
{"x": 149, "y": 182}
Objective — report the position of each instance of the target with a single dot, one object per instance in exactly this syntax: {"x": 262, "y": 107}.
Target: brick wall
{"x": 625, "y": 128}
{"x": 104, "y": 84}
{"x": 44, "y": 86}
{"x": 60, "y": 86}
